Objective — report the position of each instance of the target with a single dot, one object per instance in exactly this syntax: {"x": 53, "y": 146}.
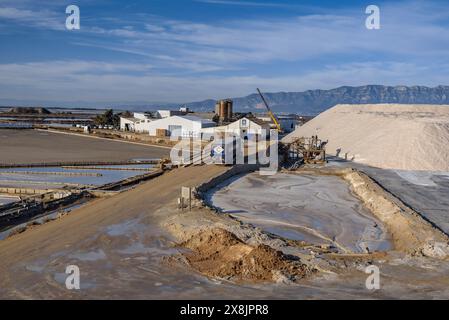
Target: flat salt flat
{"x": 32, "y": 146}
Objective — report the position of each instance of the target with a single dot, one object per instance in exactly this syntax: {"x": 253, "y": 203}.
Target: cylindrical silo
{"x": 223, "y": 112}
{"x": 217, "y": 108}
{"x": 229, "y": 109}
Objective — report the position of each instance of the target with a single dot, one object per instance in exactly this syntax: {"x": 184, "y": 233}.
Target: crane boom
{"x": 270, "y": 113}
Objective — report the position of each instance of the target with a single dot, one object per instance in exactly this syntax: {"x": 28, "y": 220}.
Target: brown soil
{"x": 219, "y": 253}
{"x": 90, "y": 221}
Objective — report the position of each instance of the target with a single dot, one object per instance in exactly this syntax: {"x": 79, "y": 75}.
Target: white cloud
{"x": 192, "y": 61}
{"x": 410, "y": 30}
{"x": 93, "y": 81}
{"x": 34, "y": 18}
{"x": 247, "y": 3}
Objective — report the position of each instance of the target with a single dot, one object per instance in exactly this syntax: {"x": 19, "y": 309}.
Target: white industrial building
{"x": 160, "y": 114}
{"x": 137, "y": 123}
{"x": 140, "y": 122}
{"x": 288, "y": 123}
{"x": 128, "y": 123}
{"x": 180, "y": 126}
{"x": 163, "y": 123}
{"x": 244, "y": 127}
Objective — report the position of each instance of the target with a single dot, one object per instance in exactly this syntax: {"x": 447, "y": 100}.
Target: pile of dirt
{"x": 390, "y": 136}
{"x": 219, "y": 253}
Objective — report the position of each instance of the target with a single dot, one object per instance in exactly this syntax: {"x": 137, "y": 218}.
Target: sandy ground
{"x": 32, "y": 263}
{"x": 390, "y": 136}
{"x": 137, "y": 244}
{"x": 339, "y": 276}
{"x": 31, "y": 146}
{"x": 130, "y": 246}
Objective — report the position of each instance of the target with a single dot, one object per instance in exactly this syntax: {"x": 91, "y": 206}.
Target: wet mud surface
{"x": 315, "y": 209}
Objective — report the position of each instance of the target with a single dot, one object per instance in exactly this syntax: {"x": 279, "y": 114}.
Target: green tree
{"x": 126, "y": 114}
{"x": 107, "y": 118}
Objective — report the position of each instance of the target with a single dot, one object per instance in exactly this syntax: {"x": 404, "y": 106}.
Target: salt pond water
{"x": 4, "y": 199}
{"x": 316, "y": 209}
{"x": 105, "y": 175}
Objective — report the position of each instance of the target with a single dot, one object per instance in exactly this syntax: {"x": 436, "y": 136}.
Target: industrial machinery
{"x": 310, "y": 150}
{"x": 270, "y": 113}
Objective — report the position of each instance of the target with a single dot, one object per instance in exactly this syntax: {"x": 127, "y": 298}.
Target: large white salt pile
{"x": 392, "y": 136}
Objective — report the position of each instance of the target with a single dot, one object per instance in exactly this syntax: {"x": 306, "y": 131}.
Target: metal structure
{"x": 270, "y": 113}
{"x": 310, "y": 149}
{"x": 223, "y": 108}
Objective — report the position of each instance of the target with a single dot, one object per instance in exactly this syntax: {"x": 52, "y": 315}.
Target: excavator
{"x": 270, "y": 113}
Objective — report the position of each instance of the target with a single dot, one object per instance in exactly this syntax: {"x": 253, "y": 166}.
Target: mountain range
{"x": 312, "y": 102}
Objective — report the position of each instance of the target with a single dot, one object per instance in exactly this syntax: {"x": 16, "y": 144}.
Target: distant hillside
{"x": 28, "y": 110}
{"x": 312, "y": 102}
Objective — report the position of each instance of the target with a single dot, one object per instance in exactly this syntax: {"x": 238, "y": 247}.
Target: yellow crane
{"x": 270, "y": 113}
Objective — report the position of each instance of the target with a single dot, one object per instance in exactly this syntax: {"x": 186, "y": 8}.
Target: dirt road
{"x": 86, "y": 230}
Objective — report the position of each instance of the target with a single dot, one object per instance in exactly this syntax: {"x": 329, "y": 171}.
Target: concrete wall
{"x": 142, "y": 126}
{"x": 234, "y": 170}
{"x": 288, "y": 125}
{"x": 25, "y": 190}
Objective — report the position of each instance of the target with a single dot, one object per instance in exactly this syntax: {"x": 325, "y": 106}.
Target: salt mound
{"x": 390, "y": 136}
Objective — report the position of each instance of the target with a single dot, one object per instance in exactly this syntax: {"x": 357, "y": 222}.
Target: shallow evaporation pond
{"x": 6, "y": 199}
{"x": 313, "y": 208}
{"x": 41, "y": 219}
{"x": 81, "y": 176}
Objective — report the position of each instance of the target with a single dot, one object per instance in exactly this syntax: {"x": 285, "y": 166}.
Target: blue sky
{"x": 189, "y": 50}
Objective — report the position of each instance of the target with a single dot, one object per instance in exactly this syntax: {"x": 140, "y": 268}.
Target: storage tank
{"x": 223, "y": 110}
{"x": 229, "y": 109}
{"x": 217, "y": 108}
